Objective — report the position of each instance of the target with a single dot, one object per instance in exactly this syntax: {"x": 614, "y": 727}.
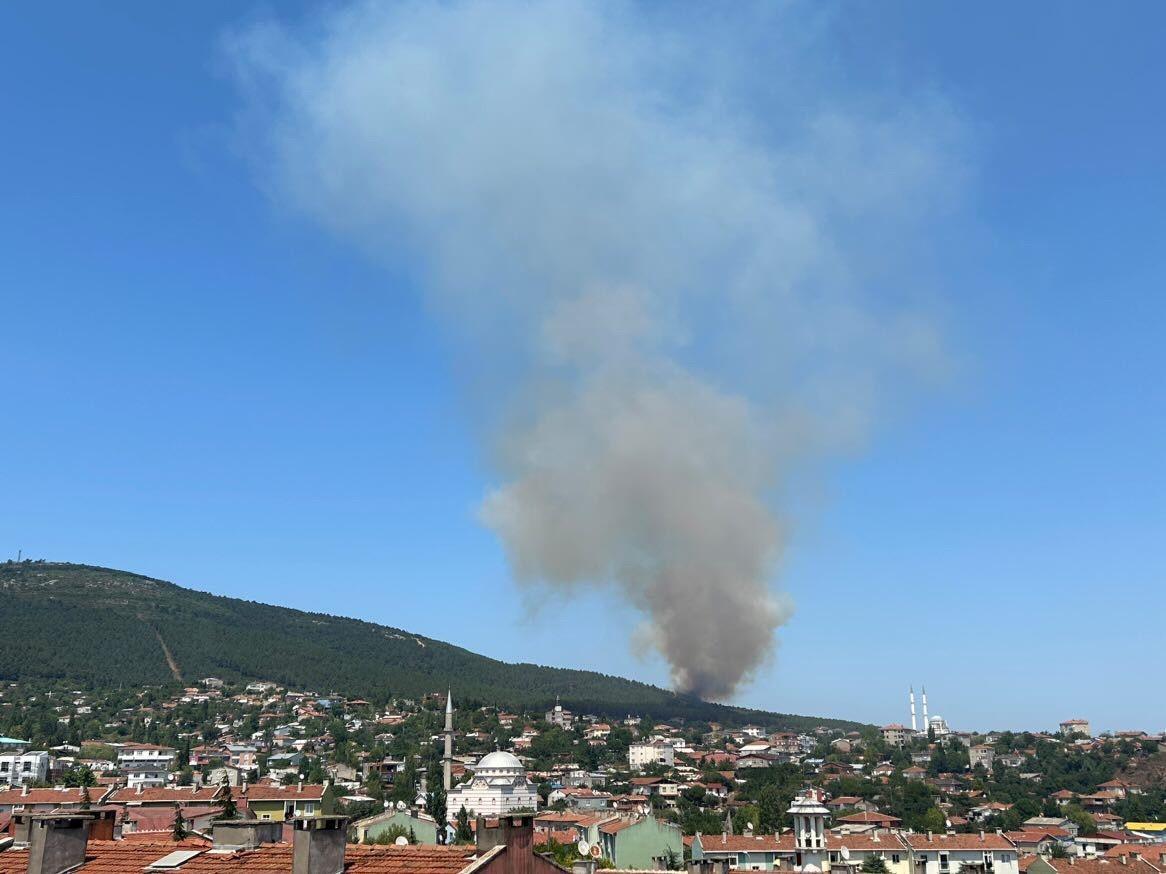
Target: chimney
{"x": 245, "y": 834}
{"x": 487, "y": 836}
{"x": 583, "y": 866}
{"x": 300, "y": 786}
{"x": 929, "y": 837}
{"x": 56, "y": 843}
{"x": 981, "y": 836}
{"x": 103, "y": 825}
{"x": 519, "y": 833}
{"x": 139, "y": 792}
{"x": 318, "y": 844}
{"x": 24, "y": 790}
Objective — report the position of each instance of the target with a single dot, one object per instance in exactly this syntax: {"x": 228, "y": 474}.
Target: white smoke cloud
{"x": 682, "y": 294}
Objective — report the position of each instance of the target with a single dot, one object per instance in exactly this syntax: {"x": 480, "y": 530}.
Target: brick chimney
{"x": 517, "y": 834}
{"x": 56, "y": 842}
{"x": 318, "y": 844}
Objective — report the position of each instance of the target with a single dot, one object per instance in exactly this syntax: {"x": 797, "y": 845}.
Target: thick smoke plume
{"x": 672, "y": 254}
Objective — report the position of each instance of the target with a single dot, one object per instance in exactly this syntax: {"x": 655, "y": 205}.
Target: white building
{"x": 558, "y": 716}
{"x": 1072, "y": 727}
{"x": 949, "y": 854}
{"x": 642, "y": 755}
{"x": 17, "y": 769}
{"x": 146, "y": 764}
{"x": 499, "y": 785}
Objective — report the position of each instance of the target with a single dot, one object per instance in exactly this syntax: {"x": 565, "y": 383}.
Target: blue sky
{"x": 203, "y": 386}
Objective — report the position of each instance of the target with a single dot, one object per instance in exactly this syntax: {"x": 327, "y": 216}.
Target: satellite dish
{"x": 401, "y": 841}
{"x": 400, "y": 805}
{"x": 845, "y": 852}
{"x": 595, "y": 851}
{"x": 749, "y": 826}
{"x": 583, "y": 847}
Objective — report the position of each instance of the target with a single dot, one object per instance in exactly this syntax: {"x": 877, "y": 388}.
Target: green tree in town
{"x": 435, "y": 807}
{"x": 873, "y": 864}
{"x": 226, "y": 803}
{"x": 464, "y": 834}
{"x": 180, "y": 830}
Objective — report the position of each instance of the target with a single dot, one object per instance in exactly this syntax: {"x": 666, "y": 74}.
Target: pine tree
{"x": 181, "y": 829}
{"x": 464, "y": 833}
{"x": 226, "y": 803}
{"x": 435, "y": 807}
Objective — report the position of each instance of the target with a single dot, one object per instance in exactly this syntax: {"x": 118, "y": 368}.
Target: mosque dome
{"x": 499, "y": 762}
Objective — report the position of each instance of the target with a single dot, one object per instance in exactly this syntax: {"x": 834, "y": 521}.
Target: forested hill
{"x": 104, "y": 628}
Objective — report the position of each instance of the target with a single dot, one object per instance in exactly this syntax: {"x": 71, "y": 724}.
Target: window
{"x": 4, "y": 767}
{"x": 27, "y": 766}
{"x": 943, "y": 863}
{"x": 894, "y": 858}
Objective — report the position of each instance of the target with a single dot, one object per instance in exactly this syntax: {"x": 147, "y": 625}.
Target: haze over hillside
{"x": 103, "y": 627}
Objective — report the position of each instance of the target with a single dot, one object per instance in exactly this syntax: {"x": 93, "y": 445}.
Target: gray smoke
{"x": 674, "y": 273}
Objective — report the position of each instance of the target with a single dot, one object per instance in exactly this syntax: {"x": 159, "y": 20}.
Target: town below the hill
{"x": 611, "y": 790}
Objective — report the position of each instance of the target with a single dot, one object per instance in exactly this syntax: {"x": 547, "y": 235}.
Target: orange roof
{"x": 870, "y": 816}
{"x": 50, "y": 796}
{"x": 119, "y": 857}
{"x": 1100, "y": 866}
{"x": 988, "y": 841}
{"x": 282, "y": 793}
{"x": 1152, "y": 853}
{"x": 164, "y": 795}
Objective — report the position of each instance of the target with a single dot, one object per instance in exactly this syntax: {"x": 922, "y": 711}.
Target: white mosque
{"x": 936, "y": 724}
{"x": 498, "y": 785}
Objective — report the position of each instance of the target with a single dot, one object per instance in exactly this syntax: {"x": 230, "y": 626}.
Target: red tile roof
{"x": 50, "y": 796}
{"x": 986, "y": 841}
{"x": 282, "y": 793}
{"x": 871, "y": 816}
{"x": 164, "y": 795}
{"x": 1101, "y": 866}
{"x": 120, "y": 857}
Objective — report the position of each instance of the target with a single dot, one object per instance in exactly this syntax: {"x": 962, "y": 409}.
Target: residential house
{"x": 982, "y": 754}
{"x": 17, "y": 769}
{"x": 282, "y": 803}
{"x": 659, "y": 786}
{"x": 645, "y": 843}
{"x": 641, "y": 755}
{"x": 145, "y": 764}
{"x": 1052, "y": 822}
{"x": 895, "y": 735}
{"x": 26, "y": 800}
{"x": 748, "y": 852}
{"x": 969, "y": 853}
{"x": 1078, "y": 727}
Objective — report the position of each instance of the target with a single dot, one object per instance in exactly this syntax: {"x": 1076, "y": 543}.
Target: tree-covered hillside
{"x": 104, "y": 628}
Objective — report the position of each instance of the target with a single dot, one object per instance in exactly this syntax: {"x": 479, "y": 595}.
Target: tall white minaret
{"x": 447, "y": 759}
{"x": 926, "y": 724}
{"x": 913, "y": 726}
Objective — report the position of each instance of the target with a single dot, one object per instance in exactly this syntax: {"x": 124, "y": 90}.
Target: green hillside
{"x": 104, "y": 628}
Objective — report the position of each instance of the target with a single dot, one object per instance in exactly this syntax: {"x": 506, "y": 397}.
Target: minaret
{"x": 447, "y": 759}
{"x": 926, "y": 724}
{"x": 728, "y": 827}
{"x": 913, "y": 726}
{"x": 809, "y": 818}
